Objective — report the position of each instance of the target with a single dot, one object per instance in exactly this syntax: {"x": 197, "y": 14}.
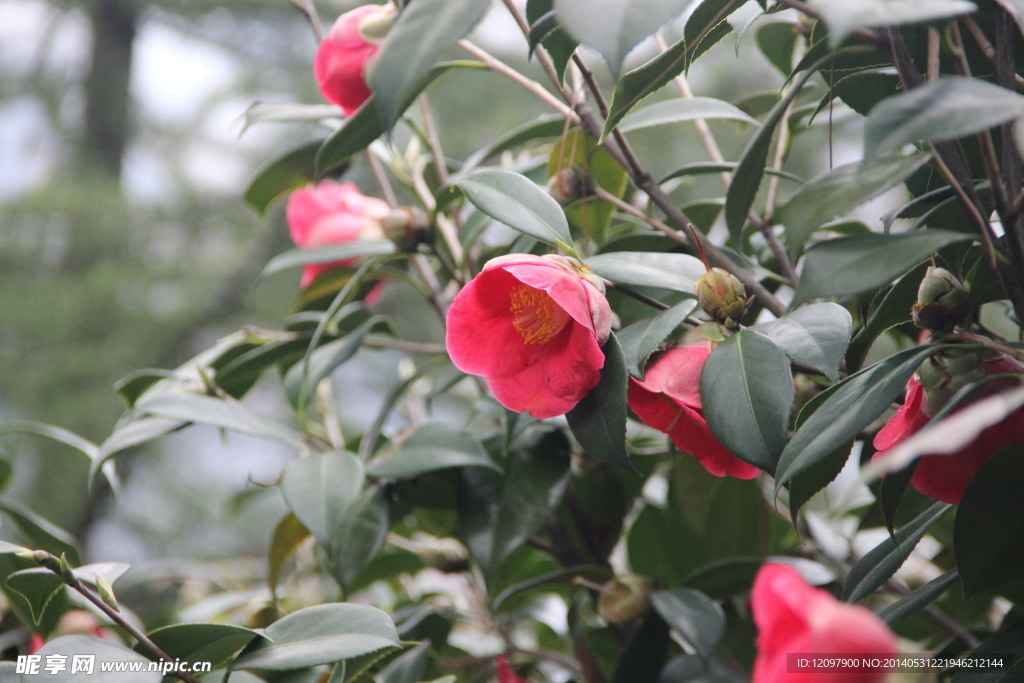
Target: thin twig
{"x": 309, "y": 11}
{"x": 53, "y": 563}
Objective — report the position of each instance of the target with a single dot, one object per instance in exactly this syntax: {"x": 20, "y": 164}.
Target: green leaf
{"x": 846, "y": 408}
{"x": 894, "y": 309}
{"x": 319, "y": 488}
{"x": 287, "y": 536}
{"x": 702, "y": 167}
{"x": 302, "y": 379}
{"x": 423, "y": 30}
{"x": 433, "y": 446}
{"x": 707, "y": 26}
{"x": 676, "y": 272}
{"x": 747, "y": 178}
{"x": 599, "y": 420}
{"x": 679, "y": 110}
{"x": 776, "y": 42}
{"x": 847, "y": 16}
{"x": 288, "y": 112}
{"x": 747, "y": 391}
{"x": 544, "y": 126}
{"x": 38, "y": 587}
{"x": 918, "y": 598}
{"x": 219, "y": 413}
{"x": 848, "y": 265}
{"x": 365, "y": 125}
{"x": 287, "y": 172}
{"x": 946, "y": 108}
{"x": 839, "y": 191}
{"x": 1006, "y": 644}
{"x": 359, "y": 536}
{"x": 816, "y": 335}
{"x": 498, "y": 514}
{"x": 516, "y": 201}
{"x": 294, "y": 258}
{"x": 544, "y": 29}
{"x": 990, "y": 524}
{"x": 64, "y": 436}
{"x": 615, "y": 27}
{"x": 875, "y": 568}
{"x": 321, "y": 634}
{"x": 40, "y": 533}
{"x": 640, "y": 339}
{"x": 102, "y": 651}
{"x": 214, "y": 643}
{"x": 695, "y": 617}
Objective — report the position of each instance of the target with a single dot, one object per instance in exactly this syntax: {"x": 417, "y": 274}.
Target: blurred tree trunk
{"x": 107, "y": 97}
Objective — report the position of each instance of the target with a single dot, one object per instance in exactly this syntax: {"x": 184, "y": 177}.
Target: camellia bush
{"x": 659, "y": 412}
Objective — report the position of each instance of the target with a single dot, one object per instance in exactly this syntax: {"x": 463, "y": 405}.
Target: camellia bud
{"x": 623, "y": 599}
{"x": 944, "y": 374}
{"x": 568, "y": 185}
{"x": 941, "y": 301}
{"x": 406, "y": 226}
{"x": 722, "y": 296}
{"x": 375, "y": 26}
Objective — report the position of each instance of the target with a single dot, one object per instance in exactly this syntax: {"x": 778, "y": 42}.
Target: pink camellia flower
{"x": 505, "y": 672}
{"x": 332, "y": 213}
{"x": 534, "y": 327}
{"x": 668, "y": 399}
{"x": 945, "y": 476}
{"x": 795, "y": 619}
{"x": 344, "y": 55}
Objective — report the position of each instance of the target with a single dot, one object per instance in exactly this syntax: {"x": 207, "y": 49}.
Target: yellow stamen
{"x": 535, "y": 315}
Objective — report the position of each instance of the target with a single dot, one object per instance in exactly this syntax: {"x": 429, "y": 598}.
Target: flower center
{"x": 535, "y": 315}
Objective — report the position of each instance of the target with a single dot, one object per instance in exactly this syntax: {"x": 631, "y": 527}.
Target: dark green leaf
{"x": 990, "y": 524}
{"x": 893, "y": 310}
{"x": 294, "y": 169}
{"x": 645, "y": 654}
{"x": 846, "y": 408}
{"x": 843, "y": 18}
{"x": 676, "y": 272}
{"x": 546, "y": 126}
{"x": 875, "y": 568}
{"x": 728, "y": 167}
{"x": 776, "y": 42}
{"x": 640, "y": 339}
{"x": 695, "y": 617}
{"x": 946, "y": 108}
{"x": 294, "y": 258}
{"x": 812, "y": 480}
{"x": 544, "y": 29}
{"x": 359, "y": 536}
{"x": 614, "y": 27}
{"x": 319, "y": 488}
{"x": 839, "y": 191}
{"x": 816, "y": 335}
{"x": 409, "y": 667}
{"x": 213, "y": 643}
{"x": 706, "y": 26}
{"x": 599, "y": 420}
{"x": 848, "y": 265}
{"x": 679, "y": 110}
{"x": 747, "y": 178}
{"x": 365, "y": 126}
{"x": 1006, "y": 644}
{"x": 432, "y": 447}
{"x": 918, "y": 598}
{"x": 747, "y": 391}
{"x": 424, "y": 30}
{"x": 302, "y": 379}
{"x": 516, "y": 201}
{"x": 40, "y": 533}
{"x": 321, "y": 634}
{"x": 38, "y": 587}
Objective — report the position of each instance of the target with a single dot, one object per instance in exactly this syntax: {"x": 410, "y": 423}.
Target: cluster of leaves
{"x": 647, "y": 555}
